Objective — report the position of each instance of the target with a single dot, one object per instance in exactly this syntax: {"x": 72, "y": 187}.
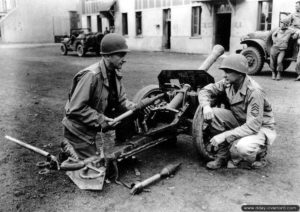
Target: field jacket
{"x": 248, "y": 105}
{"x": 281, "y": 37}
{"x": 88, "y": 99}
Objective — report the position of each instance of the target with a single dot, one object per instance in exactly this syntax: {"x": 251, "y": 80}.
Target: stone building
{"x": 191, "y": 26}
{"x": 37, "y": 21}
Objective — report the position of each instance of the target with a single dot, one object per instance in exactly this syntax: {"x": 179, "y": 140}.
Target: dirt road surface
{"x": 33, "y": 89}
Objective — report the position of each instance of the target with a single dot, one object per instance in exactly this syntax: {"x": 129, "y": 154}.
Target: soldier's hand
{"x": 208, "y": 113}
{"x": 107, "y": 124}
{"x": 217, "y": 139}
{"x": 131, "y": 105}
{"x": 147, "y": 110}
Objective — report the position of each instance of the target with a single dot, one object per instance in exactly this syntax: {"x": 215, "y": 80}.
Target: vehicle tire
{"x": 201, "y": 144}
{"x": 150, "y": 91}
{"x": 80, "y": 50}
{"x": 255, "y": 59}
{"x": 63, "y": 49}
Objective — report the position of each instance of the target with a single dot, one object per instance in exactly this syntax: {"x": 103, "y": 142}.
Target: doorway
{"x": 223, "y": 29}
{"x": 99, "y": 24}
{"x": 167, "y": 29}
{"x": 73, "y": 19}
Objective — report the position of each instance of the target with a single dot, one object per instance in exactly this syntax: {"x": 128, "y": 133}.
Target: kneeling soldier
{"x": 97, "y": 95}
{"x": 243, "y": 131}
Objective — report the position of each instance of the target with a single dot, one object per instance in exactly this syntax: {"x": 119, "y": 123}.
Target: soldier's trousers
{"x": 297, "y": 68}
{"x": 123, "y": 131}
{"x": 276, "y": 58}
{"x": 246, "y": 148}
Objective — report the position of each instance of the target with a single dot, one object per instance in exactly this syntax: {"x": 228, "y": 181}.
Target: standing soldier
{"x": 96, "y": 96}
{"x": 280, "y": 37}
{"x": 246, "y": 128}
{"x": 295, "y": 23}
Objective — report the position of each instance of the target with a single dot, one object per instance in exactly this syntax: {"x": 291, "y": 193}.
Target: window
{"x": 264, "y": 15}
{"x": 196, "y": 21}
{"x": 124, "y": 24}
{"x": 138, "y": 23}
{"x": 88, "y": 22}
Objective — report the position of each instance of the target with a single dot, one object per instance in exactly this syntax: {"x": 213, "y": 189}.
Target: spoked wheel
{"x": 80, "y": 50}
{"x": 63, "y": 49}
{"x": 200, "y": 138}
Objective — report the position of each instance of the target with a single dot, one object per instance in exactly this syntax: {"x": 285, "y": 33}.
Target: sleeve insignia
{"x": 254, "y": 109}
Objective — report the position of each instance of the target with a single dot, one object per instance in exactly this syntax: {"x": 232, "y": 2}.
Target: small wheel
{"x": 148, "y": 91}
{"x": 80, "y": 50}
{"x": 200, "y": 140}
{"x": 63, "y": 49}
{"x": 255, "y": 59}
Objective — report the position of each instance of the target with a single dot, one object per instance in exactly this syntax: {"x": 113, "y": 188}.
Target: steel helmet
{"x": 113, "y": 43}
{"x": 235, "y": 62}
{"x": 285, "y": 21}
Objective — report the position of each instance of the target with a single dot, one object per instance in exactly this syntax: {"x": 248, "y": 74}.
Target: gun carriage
{"x": 163, "y": 111}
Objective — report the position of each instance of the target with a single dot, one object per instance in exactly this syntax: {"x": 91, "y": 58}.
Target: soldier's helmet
{"x": 285, "y": 21}
{"x": 113, "y": 43}
{"x": 235, "y": 62}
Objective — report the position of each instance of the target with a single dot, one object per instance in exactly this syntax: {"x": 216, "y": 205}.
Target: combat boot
{"x": 67, "y": 151}
{"x": 259, "y": 164}
{"x": 273, "y": 75}
{"x": 222, "y": 157}
{"x": 216, "y": 164}
{"x": 278, "y": 77}
{"x": 231, "y": 165}
{"x": 260, "y": 161}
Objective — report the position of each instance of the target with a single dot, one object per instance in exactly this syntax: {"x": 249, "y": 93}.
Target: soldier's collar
{"x": 104, "y": 70}
{"x": 102, "y": 67}
{"x": 245, "y": 85}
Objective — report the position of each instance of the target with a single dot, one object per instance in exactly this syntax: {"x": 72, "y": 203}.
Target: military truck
{"x": 257, "y": 47}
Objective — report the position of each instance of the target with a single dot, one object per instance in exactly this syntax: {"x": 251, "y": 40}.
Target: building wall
{"x": 94, "y": 27}
{"x": 243, "y": 22}
{"x": 282, "y": 6}
{"x": 37, "y": 21}
{"x": 181, "y": 39}
{"x": 151, "y": 40}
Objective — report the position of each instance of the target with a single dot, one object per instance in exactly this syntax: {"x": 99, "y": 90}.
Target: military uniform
{"x": 248, "y": 123}
{"x": 280, "y": 39}
{"x": 295, "y": 23}
{"x": 94, "y": 94}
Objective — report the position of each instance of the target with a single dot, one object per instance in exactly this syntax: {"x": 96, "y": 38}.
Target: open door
{"x": 223, "y": 29}
{"x": 167, "y": 29}
{"x": 223, "y": 25}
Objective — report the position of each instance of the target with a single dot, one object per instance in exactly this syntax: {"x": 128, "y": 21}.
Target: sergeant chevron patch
{"x": 254, "y": 109}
